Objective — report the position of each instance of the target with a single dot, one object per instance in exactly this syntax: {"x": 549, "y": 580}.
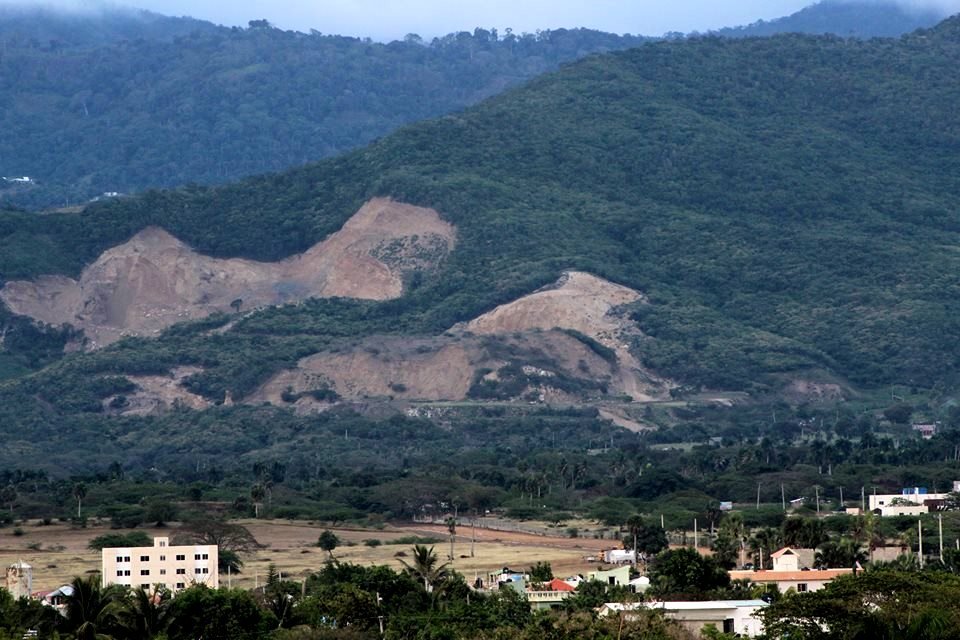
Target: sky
{"x": 393, "y": 19}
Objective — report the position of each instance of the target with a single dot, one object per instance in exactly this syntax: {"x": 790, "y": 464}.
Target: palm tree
{"x": 425, "y": 568}
{"x": 763, "y": 543}
{"x": 8, "y": 495}
{"x": 256, "y": 493}
{"x": 143, "y": 615}
{"x": 90, "y": 607}
{"x": 452, "y": 528}
{"x": 79, "y": 492}
{"x": 634, "y": 526}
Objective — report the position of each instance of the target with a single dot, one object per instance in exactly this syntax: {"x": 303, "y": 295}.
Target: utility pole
{"x": 940, "y": 519}
{"x": 783, "y": 497}
{"x": 380, "y": 612}
{"x": 696, "y": 538}
{"x": 661, "y": 522}
{"x": 817, "y": 489}
{"x": 920, "y": 537}
{"x": 863, "y": 501}
{"x": 841, "y": 497}
{"x": 758, "y": 496}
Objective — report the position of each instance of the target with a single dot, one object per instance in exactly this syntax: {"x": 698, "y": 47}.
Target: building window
{"x": 126, "y": 572}
{"x": 181, "y": 557}
{"x": 163, "y": 572}
{"x": 181, "y": 572}
{"x": 163, "y": 543}
{"x": 144, "y": 558}
{"x": 179, "y": 585}
{"x": 205, "y": 570}
{"x": 206, "y": 556}
{"x": 144, "y": 572}
{"x": 801, "y": 587}
{"x": 144, "y": 586}
{"x": 163, "y": 558}
{"x": 126, "y": 558}
{"x": 120, "y": 573}
{"x": 119, "y": 558}
{"x": 196, "y": 556}
{"x": 196, "y": 570}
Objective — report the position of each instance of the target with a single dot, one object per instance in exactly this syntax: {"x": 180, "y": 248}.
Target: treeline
{"x": 526, "y": 463}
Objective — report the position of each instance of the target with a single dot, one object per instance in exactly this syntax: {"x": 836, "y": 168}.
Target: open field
{"x": 63, "y": 553}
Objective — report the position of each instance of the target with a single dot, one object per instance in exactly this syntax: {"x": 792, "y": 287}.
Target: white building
{"x": 173, "y": 567}
{"x": 729, "y": 616}
{"x": 910, "y": 501}
{"x": 792, "y": 570}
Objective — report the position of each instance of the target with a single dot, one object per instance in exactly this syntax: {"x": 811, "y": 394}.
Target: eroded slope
{"x": 154, "y": 280}
{"x": 567, "y": 343}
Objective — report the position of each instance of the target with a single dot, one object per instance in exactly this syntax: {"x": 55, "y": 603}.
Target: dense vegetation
{"x": 119, "y": 100}
{"x": 788, "y": 204}
{"x": 108, "y": 107}
{"x": 429, "y": 600}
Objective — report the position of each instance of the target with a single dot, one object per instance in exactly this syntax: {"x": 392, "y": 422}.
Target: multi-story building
{"x": 175, "y": 568}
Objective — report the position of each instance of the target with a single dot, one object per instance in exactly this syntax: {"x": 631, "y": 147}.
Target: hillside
{"x": 160, "y": 102}
{"x": 847, "y": 18}
{"x": 117, "y": 101}
{"x": 766, "y": 214}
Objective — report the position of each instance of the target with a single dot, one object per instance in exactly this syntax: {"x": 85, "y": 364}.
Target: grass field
{"x": 60, "y": 551}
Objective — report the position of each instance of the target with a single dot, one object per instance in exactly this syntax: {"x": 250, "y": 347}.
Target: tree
{"x": 8, "y": 496}
{"x": 729, "y": 545}
{"x": 644, "y": 538}
{"x": 144, "y": 614}
{"x": 79, "y": 493}
{"x": 879, "y": 604}
{"x": 541, "y": 572}
{"x": 231, "y": 539}
{"x": 452, "y": 528}
{"x": 328, "y": 541}
{"x": 160, "y": 512}
{"x": 115, "y": 540}
{"x": 763, "y": 543}
{"x": 425, "y": 568}
{"x": 90, "y": 608}
{"x": 685, "y": 572}
{"x": 804, "y": 533}
{"x": 257, "y": 493}
{"x": 844, "y": 553}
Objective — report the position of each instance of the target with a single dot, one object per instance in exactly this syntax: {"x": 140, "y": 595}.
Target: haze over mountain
{"x": 767, "y": 216}
{"x": 119, "y": 100}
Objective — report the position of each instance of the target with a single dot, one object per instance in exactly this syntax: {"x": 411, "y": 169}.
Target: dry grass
{"x": 291, "y": 548}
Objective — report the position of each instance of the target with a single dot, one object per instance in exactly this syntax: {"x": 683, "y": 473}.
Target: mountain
{"x": 113, "y": 103}
{"x": 722, "y": 214}
{"x": 117, "y": 101}
{"x": 39, "y": 26}
{"x": 847, "y": 18}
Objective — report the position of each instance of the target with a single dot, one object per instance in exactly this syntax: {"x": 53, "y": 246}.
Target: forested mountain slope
{"x": 210, "y": 104}
{"x": 785, "y": 209}
{"x": 118, "y": 100}
{"x": 848, "y": 18}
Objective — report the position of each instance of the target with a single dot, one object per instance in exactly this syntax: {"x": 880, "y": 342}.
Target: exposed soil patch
{"x": 590, "y": 305}
{"x": 803, "y": 391}
{"x": 548, "y": 364}
{"x": 154, "y": 280}
{"x": 563, "y": 344}
{"x": 158, "y": 394}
